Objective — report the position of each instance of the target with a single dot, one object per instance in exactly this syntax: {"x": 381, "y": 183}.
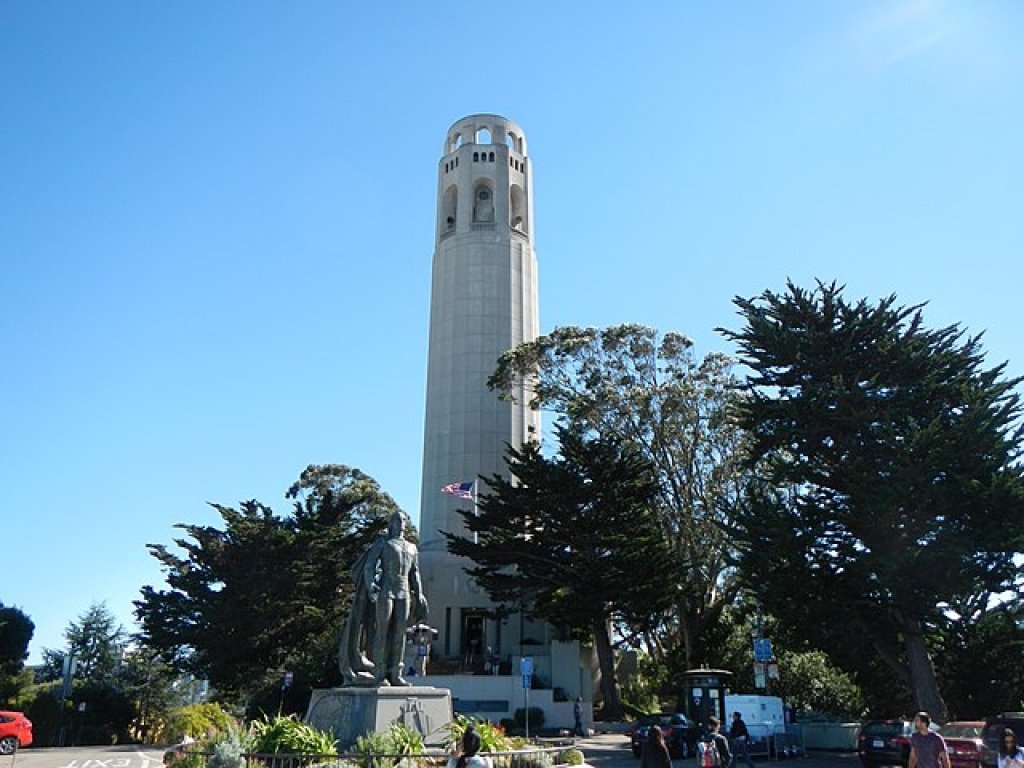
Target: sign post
{"x": 526, "y": 670}
{"x": 763, "y": 654}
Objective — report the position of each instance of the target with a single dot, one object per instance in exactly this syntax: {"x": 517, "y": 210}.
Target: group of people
{"x": 927, "y": 748}
{"x": 714, "y": 750}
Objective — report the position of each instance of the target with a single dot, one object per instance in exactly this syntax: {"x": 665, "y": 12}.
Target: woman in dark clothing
{"x": 655, "y": 752}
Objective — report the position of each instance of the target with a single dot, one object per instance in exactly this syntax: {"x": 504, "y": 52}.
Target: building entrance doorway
{"x": 473, "y": 627}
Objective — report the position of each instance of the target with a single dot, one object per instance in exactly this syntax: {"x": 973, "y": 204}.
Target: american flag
{"x": 462, "y": 490}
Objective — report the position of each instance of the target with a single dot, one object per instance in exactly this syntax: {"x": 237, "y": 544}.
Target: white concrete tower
{"x": 483, "y": 302}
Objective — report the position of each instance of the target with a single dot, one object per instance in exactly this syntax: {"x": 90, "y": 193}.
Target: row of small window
{"x": 485, "y": 157}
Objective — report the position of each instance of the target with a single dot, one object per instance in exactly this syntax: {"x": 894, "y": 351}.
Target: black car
{"x": 993, "y": 733}
{"x": 885, "y": 742}
{"x": 681, "y": 735}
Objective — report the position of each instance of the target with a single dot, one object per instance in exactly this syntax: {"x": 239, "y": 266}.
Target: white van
{"x": 763, "y": 715}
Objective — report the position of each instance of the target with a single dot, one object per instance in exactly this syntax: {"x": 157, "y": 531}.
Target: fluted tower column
{"x": 483, "y": 302}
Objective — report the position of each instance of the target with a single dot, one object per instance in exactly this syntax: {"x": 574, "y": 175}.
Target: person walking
{"x": 739, "y": 737}
{"x": 927, "y": 748}
{"x": 1010, "y": 753}
{"x": 713, "y": 748}
{"x": 655, "y": 752}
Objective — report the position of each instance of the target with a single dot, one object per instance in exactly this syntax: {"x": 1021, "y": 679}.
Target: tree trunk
{"x": 612, "y": 709}
{"x": 923, "y": 684}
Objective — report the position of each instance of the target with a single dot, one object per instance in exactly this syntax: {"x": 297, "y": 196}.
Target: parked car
{"x": 681, "y": 734}
{"x": 885, "y": 742}
{"x": 993, "y": 733}
{"x": 15, "y": 732}
{"x": 964, "y": 743}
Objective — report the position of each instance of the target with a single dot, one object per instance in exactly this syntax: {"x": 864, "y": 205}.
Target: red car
{"x": 964, "y": 743}
{"x": 15, "y": 731}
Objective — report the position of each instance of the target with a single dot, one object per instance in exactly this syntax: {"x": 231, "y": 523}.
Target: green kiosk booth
{"x": 704, "y": 695}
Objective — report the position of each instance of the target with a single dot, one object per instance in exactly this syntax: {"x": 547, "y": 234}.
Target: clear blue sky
{"x": 216, "y": 222}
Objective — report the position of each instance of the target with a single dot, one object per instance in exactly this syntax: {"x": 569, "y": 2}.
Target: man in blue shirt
{"x": 927, "y": 748}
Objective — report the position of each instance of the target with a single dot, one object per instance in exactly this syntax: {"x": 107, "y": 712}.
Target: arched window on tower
{"x": 483, "y": 136}
{"x": 517, "y": 209}
{"x": 450, "y": 210}
{"x": 483, "y": 204}
{"x": 455, "y": 143}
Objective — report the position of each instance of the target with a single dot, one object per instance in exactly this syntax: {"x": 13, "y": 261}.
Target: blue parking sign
{"x": 763, "y": 649}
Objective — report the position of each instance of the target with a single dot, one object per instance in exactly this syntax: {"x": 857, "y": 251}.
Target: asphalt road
{"x": 611, "y": 750}
{"x": 128, "y": 756}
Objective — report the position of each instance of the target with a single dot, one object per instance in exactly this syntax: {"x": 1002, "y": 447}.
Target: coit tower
{"x": 483, "y": 302}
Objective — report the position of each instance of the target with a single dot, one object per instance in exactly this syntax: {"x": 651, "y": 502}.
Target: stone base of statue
{"x": 352, "y": 712}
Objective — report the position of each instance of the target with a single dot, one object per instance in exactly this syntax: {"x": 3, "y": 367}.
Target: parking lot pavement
{"x": 611, "y": 750}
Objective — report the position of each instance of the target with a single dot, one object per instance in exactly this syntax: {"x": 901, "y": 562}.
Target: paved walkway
{"x": 611, "y": 750}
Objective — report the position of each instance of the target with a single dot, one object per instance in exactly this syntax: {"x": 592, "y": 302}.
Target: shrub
{"x": 492, "y": 737}
{"x": 199, "y": 721}
{"x": 181, "y": 759}
{"x": 290, "y": 735}
{"x": 406, "y": 739}
{"x": 572, "y": 757}
{"x": 381, "y": 749}
{"x": 44, "y": 712}
{"x": 369, "y": 746}
{"x": 226, "y": 749}
{"x": 532, "y": 759}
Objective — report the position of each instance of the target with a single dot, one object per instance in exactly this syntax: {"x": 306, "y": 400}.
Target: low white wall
{"x": 493, "y": 697}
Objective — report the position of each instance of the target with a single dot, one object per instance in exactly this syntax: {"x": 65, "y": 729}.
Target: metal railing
{"x": 537, "y": 757}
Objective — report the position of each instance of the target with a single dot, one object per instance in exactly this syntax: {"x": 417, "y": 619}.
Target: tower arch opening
{"x": 483, "y": 136}
{"x": 483, "y": 202}
{"x": 517, "y": 218}
{"x": 449, "y": 209}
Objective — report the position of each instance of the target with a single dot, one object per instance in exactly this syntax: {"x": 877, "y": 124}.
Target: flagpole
{"x": 476, "y": 536}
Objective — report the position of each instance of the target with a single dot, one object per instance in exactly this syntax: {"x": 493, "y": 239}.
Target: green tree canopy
{"x": 810, "y": 683}
{"x": 631, "y": 383}
{"x": 574, "y": 539}
{"x": 979, "y": 659}
{"x": 16, "y": 630}
{"x": 893, "y": 456}
{"x": 96, "y": 641}
{"x": 266, "y": 593}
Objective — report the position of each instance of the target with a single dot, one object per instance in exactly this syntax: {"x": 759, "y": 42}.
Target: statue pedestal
{"x": 352, "y": 712}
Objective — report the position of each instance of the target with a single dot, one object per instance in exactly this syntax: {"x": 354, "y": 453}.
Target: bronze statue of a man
{"x": 389, "y": 596}
{"x": 398, "y": 595}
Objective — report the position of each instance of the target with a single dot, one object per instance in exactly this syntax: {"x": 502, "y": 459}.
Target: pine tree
{"x": 894, "y": 458}
{"x": 574, "y": 540}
